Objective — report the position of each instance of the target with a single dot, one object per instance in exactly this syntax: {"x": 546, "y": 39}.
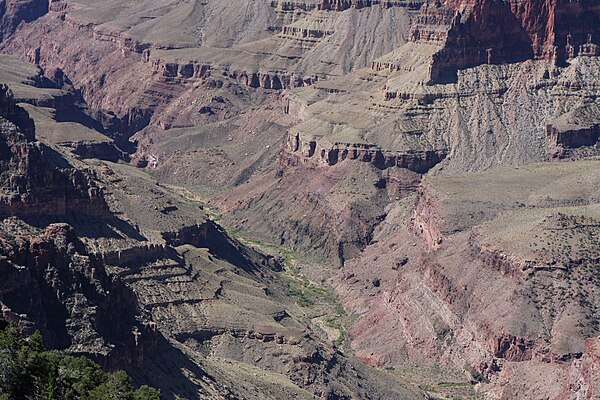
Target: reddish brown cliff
{"x": 13, "y": 12}
{"x": 34, "y": 180}
{"x": 475, "y": 32}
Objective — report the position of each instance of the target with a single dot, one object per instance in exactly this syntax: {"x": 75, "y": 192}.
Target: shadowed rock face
{"x": 50, "y": 283}
{"x": 35, "y": 180}
{"x": 15, "y": 115}
{"x": 13, "y": 12}
{"x": 49, "y": 280}
{"x": 359, "y": 133}
{"x": 494, "y": 32}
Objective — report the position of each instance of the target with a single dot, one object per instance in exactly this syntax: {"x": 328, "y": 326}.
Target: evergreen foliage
{"x": 29, "y": 371}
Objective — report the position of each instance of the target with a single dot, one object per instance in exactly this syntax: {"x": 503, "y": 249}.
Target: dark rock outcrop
{"x": 50, "y": 283}
{"x": 573, "y": 137}
{"x": 48, "y": 280}
{"x": 476, "y": 32}
{"x": 34, "y": 179}
{"x": 13, "y": 12}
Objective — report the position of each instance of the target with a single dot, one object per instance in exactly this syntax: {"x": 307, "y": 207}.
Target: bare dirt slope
{"x": 430, "y": 166}
{"x": 108, "y": 262}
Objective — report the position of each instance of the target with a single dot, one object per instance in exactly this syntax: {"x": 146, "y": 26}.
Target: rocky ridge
{"x": 50, "y": 281}
{"x": 369, "y": 158}
{"x": 143, "y": 279}
{"x": 32, "y": 174}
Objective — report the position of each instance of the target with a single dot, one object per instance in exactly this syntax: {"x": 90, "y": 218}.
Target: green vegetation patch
{"x": 29, "y": 371}
{"x": 308, "y": 294}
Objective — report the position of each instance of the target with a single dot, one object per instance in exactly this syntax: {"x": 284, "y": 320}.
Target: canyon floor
{"x": 350, "y": 199}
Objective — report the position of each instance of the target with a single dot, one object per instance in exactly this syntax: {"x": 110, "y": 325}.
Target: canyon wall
{"x": 50, "y": 282}
{"x": 493, "y": 32}
{"x": 13, "y": 12}
{"x": 35, "y": 180}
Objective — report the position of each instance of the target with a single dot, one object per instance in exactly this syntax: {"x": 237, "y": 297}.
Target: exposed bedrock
{"x": 116, "y": 62}
{"x": 304, "y": 151}
{"x": 273, "y": 80}
{"x": 336, "y": 207}
{"x": 51, "y": 284}
{"x": 184, "y": 70}
{"x": 574, "y": 137}
{"x": 478, "y": 32}
{"x": 340, "y": 5}
{"x": 254, "y": 79}
{"x": 425, "y": 220}
{"x": 95, "y": 69}
{"x": 211, "y": 236}
{"x": 431, "y": 282}
{"x": 13, "y": 12}
{"x": 50, "y": 281}
{"x": 100, "y": 150}
{"x": 459, "y": 282}
{"x": 15, "y": 115}
{"x": 588, "y": 370}
{"x": 575, "y": 132}
{"x": 72, "y": 300}
{"x": 36, "y": 181}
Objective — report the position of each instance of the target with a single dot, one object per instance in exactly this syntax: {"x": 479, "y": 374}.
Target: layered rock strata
{"x": 50, "y": 281}
{"x": 416, "y": 161}
{"x": 472, "y": 33}
{"x": 35, "y": 180}
{"x": 340, "y": 5}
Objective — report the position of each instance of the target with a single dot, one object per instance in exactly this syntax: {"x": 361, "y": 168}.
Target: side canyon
{"x": 337, "y": 199}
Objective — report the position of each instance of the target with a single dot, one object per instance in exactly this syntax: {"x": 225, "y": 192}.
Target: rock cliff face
{"x": 410, "y": 153}
{"x": 173, "y": 67}
{"x": 575, "y": 129}
{"x": 148, "y": 283}
{"x": 51, "y": 284}
{"x": 493, "y": 32}
{"x": 34, "y": 183}
{"x": 13, "y": 12}
{"x": 49, "y": 280}
{"x": 15, "y": 115}
{"x": 419, "y": 162}
{"x": 340, "y": 5}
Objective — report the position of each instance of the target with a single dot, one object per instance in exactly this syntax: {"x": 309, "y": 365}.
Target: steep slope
{"x": 505, "y": 264}
{"x": 411, "y": 151}
{"x": 109, "y": 263}
{"x": 43, "y": 267}
{"x": 13, "y": 12}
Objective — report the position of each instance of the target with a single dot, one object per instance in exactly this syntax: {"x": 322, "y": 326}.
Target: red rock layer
{"x": 50, "y": 283}
{"x": 475, "y": 32}
{"x": 34, "y": 180}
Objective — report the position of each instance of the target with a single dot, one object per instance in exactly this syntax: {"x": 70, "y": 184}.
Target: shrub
{"x": 29, "y": 371}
